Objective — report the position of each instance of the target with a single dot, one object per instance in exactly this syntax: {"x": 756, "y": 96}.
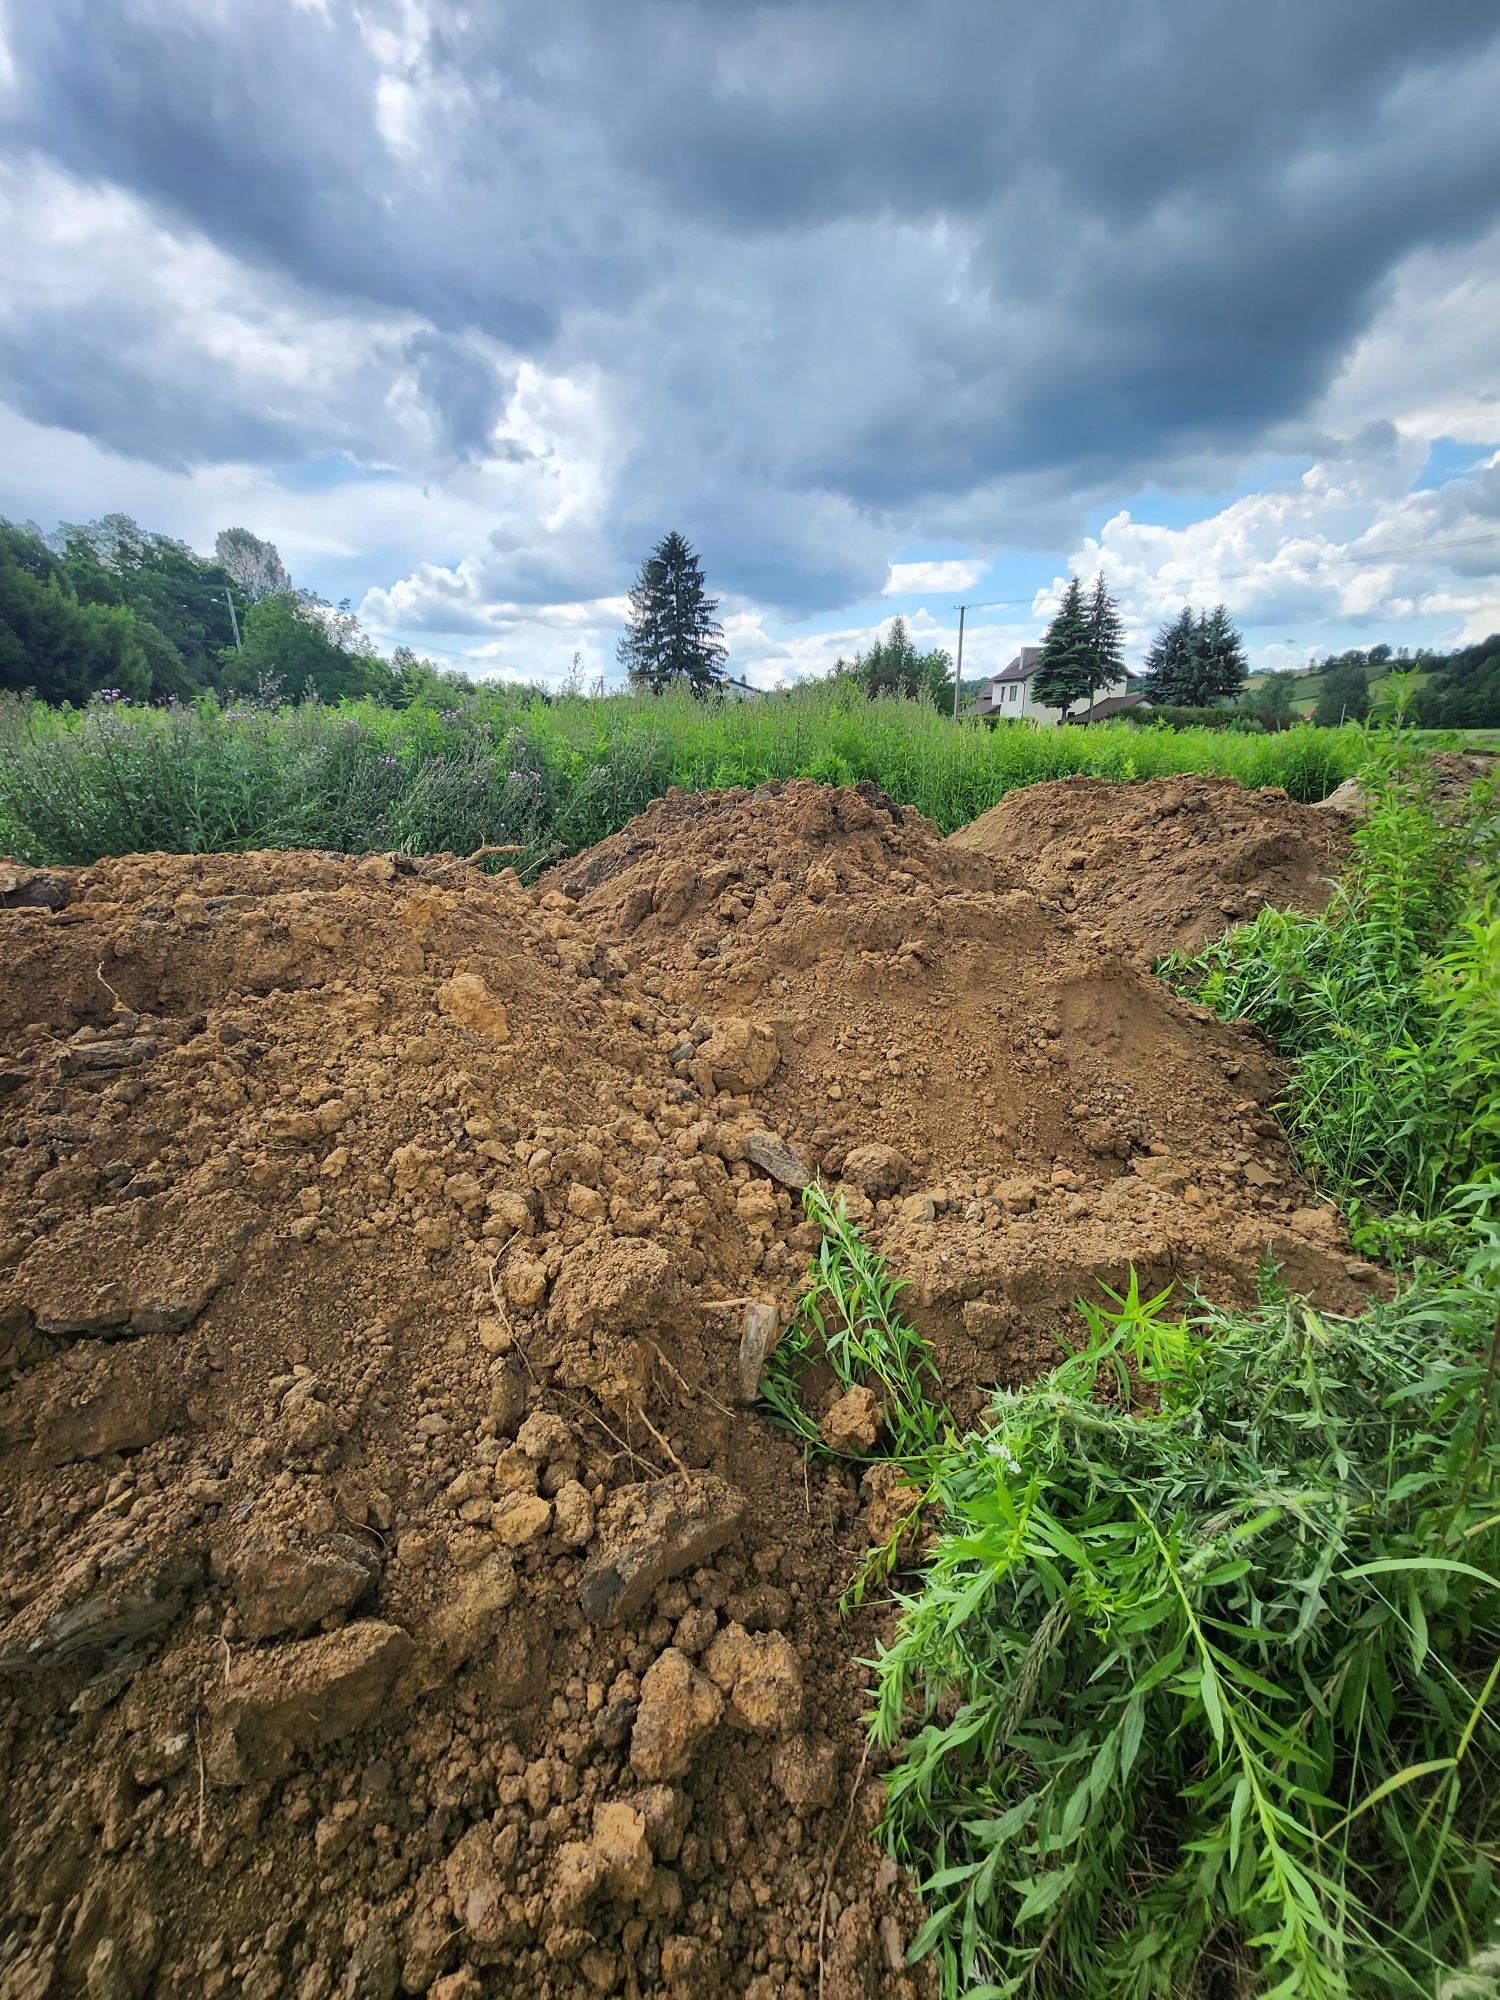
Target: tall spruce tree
{"x": 1219, "y": 667}
{"x": 1171, "y": 662}
{"x": 1066, "y": 671}
{"x": 674, "y": 635}
{"x": 1106, "y": 636}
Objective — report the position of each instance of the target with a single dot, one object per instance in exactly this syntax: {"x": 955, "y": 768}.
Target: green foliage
{"x": 174, "y": 597}
{"x": 846, "y": 1317}
{"x": 1065, "y": 672}
{"x": 674, "y": 637}
{"x": 1195, "y": 661}
{"x": 551, "y": 775}
{"x": 287, "y": 640}
{"x": 1271, "y": 703}
{"x": 1195, "y": 1698}
{"x": 1106, "y": 636}
{"x": 893, "y": 666}
{"x": 1463, "y": 691}
{"x": 1389, "y": 1002}
{"x": 1082, "y": 652}
{"x": 1169, "y": 717}
{"x": 1169, "y": 661}
{"x": 1346, "y": 694}
{"x": 1219, "y": 663}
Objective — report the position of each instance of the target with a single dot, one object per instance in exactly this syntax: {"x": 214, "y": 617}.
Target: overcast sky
{"x": 885, "y": 303}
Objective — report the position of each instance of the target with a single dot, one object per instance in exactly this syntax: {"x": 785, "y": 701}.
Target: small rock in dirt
{"x": 287, "y": 1590}
{"x": 651, "y": 1531}
{"x": 466, "y": 1618}
{"x": 618, "y": 1286}
{"x": 852, "y": 1422}
{"x": 573, "y": 1515}
{"x": 876, "y": 1170}
{"x": 477, "y": 1885}
{"x": 804, "y": 1772}
{"x": 130, "y": 1397}
{"x": 301, "y": 1694}
{"x": 80, "y": 1614}
{"x": 679, "y": 1707}
{"x": 760, "y": 1332}
{"x": 738, "y": 1055}
{"x": 520, "y": 1518}
{"x": 666, "y": 1810}
{"x": 623, "y": 1850}
{"x": 467, "y": 1000}
{"x": 374, "y": 1968}
{"x": 771, "y": 1153}
{"x": 762, "y": 1677}
{"x": 545, "y": 1437}
{"x": 690, "y": 1967}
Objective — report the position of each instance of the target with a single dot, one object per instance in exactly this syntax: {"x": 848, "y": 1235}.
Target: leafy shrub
{"x": 1201, "y": 1678}
{"x": 1194, "y": 1698}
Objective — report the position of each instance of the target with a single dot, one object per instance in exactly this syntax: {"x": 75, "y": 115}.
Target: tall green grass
{"x": 547, "y": 777}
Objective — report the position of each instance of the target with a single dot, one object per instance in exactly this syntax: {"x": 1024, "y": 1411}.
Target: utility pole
{"x": 235, "y": 623}
{"x": 958, "y": 668}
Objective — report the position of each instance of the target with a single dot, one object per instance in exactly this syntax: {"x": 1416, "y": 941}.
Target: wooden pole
{"x": 958, "y": 670}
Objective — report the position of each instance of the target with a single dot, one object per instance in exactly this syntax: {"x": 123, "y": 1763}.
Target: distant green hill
{"x": 1307, "y": 682}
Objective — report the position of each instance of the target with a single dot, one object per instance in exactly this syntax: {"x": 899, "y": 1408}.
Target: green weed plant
{"x": 507, "y": 768}
{"x": 1389, "y": 1005}
{"x": 1195, "y": 1696}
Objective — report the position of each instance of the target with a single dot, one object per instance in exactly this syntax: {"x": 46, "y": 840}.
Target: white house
{"x": 1007, "y": 696}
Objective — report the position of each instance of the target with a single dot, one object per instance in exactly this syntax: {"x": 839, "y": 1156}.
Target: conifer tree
{"x": 1170, "y": 664}
{"x": 674, "y": 635}
{"x": 1066, "y": 671}
{"x": 1106, "y": 636}
{"x": 1219, "y": 667}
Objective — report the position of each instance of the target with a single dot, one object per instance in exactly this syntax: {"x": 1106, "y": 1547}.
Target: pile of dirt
{"x": 397, "y": 1592}
{"x": 1164, "y": 864}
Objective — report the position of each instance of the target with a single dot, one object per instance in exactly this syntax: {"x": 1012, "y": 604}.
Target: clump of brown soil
{"x": 396, "y": 1591}
{"x": 1163, "y": 864}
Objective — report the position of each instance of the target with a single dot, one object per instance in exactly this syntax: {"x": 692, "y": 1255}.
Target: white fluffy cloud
{"x": 931, "y": 579}
{"x": 1350, "y": 545}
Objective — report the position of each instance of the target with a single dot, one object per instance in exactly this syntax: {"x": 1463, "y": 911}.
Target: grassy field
{"x": 549, "y": 778}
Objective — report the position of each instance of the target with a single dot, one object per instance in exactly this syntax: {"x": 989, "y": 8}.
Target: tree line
{"x": 1459, "y": 690}
{"x": 107, "y": 607}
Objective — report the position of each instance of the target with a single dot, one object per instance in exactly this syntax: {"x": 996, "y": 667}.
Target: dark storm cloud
{"x": 844, "y": 264}
{"x": 106, "y": 379}
{"x": 463, "y": 390}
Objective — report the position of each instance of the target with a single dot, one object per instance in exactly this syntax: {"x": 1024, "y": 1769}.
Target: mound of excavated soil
{"x": 1164, "y": 864}
{"x": 396, "y": 1591}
